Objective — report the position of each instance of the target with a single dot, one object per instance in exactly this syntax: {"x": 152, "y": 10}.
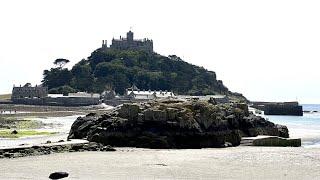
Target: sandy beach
{"x": 131, "y": 163}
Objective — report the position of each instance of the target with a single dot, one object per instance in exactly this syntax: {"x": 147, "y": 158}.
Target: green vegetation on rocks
{"x": 15, "y": 123}
{"x": 22, "y": 133}
{"x": 119, "y": 69}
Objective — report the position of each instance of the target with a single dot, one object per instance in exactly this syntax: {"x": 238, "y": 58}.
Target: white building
{"x": 217, "y": 98}
{"x": 84, "y": 94}
{"x": 75, "y": 95}
{"x": 135, "y": 93}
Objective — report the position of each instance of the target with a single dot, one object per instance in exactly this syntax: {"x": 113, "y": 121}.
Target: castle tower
{"x": 130, "y": 36}
{"x": 104, "y": 44}
{"x": 129, "y": 43}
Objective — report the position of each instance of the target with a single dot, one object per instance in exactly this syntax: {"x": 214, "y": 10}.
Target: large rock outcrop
{"x": 174, "y": 124}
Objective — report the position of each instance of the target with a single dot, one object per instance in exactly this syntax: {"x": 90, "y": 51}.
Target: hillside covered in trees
{"x": 120, "y": 69}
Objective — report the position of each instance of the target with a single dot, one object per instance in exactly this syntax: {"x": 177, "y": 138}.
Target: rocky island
{"x": 174, "y": 124}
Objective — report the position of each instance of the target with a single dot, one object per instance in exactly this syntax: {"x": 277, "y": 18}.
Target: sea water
{"x": 306, "y": 127}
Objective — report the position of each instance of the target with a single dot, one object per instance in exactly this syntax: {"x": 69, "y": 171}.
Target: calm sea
{"x": 306, "y": 127}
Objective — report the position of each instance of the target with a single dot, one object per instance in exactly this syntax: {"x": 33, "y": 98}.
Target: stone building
{"x": 27, "y": 91}
{"x": 38, "y": 95}
{"x": 129, "y": 43}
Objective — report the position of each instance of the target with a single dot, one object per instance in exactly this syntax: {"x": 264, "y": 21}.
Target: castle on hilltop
{"x": 129, "y": 43}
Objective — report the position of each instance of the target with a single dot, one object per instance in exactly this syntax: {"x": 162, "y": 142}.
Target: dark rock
{"x": 76, "y": 147}
{"x": 227, "y": 144}
{"x": 2, "y": 126}
{"x": 35, "y": 147}
{"x": 255, "y": 125}
{"x": 91, "y": 114}
{"x": 108, "y": 148}
{"x": 44, "y": 150}
{"x": 212, "y": 101}
{"x": 277, "y": 141}
{"x": 161, "y": 164}
{"x": 14, "y": 132}
{"x": 61, "y": 140}
{"x": 55, "y": 148}
{"x": 283, "y": 131}
{"x": 93, "y": 146}
{"x": 48, "y": 142}
{"x": 23, "y": 144}
{"x": 129, "y": 111}
{"x": 173, "y": 124}
{"x": 80, "y": 127}
{"x": 30, "y": 150}
{"x": 58, "y": 175}
{"x": 8, "y": 155}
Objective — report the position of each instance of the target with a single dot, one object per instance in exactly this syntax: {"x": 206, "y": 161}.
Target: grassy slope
{"x": 5, "y": 96}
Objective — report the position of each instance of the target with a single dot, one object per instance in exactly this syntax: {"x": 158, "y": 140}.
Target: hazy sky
{"x": 267, "y": 50}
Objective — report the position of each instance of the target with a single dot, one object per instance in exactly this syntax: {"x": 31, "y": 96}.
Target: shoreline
{"x": 227, "y": 163}
{"x": 15, "y": 110}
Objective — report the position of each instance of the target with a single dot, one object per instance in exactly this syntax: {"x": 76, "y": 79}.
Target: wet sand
{"x": 130, "y": 163}
{"x": 60, "y": 125}
{"x": 53, "y": 119}
{"x": 15, "y": 110}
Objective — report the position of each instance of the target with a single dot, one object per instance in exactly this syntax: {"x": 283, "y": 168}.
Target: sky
{"x": 266, "y": 50}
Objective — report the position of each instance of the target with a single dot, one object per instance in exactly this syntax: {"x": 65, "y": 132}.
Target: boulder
{"x": 129, "y": 111}
{"x": 8, "y": 155}
{"x": 82, "y": 125}
{"x": 58, "y": 175}
{"x": 255, "y": 125}
{"x": 174, "y": 124}
{"x": 276, "y": 141}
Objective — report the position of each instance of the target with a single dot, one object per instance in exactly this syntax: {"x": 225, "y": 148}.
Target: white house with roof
{"x": 217, "y": 98}
{"x": 135, "y": 93}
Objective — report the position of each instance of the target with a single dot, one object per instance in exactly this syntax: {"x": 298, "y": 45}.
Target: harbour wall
{"x": 279, "y": 108}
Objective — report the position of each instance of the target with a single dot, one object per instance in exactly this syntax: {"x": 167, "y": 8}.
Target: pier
{"x": 279, "y": 108}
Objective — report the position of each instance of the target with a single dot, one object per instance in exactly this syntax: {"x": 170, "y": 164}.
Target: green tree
{"x": 65, "y": 90}
{"x": 120, "y": 69}
{"x": 56, "y": 77}
{"x": 61, "y": 62}
{"x": 83, "y": 78}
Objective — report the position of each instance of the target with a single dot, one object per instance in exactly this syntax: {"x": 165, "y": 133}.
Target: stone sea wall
{"x": 60, "y": 101}
{"x": 279, "y": 108}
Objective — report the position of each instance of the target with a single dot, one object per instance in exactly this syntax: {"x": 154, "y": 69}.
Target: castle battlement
{"x": 129, "y": 43}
